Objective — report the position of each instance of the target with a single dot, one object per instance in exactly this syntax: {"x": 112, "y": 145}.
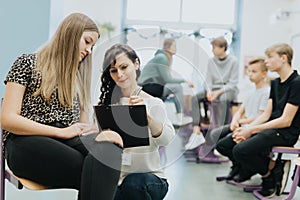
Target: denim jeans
{"x": 142, "y": 186}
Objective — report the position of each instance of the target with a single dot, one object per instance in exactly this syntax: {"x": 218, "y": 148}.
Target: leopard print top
{"x": 36, "y": 108}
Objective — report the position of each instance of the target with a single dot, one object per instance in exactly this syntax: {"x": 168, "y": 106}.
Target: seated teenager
{"x": 45, "y": 116}
{"x": 253, "y": 106}
{"x": 221, "y": 88}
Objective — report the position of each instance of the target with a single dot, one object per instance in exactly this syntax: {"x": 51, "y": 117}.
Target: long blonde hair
{"x": 58, "y": 63}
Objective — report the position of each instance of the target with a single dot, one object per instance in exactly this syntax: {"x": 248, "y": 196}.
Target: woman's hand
{"x": 155, "y": 126}
{"x": 78, "y": 129}
{"x": 136, "y": 100}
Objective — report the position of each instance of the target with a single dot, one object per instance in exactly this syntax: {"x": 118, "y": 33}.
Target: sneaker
{"x": 182, "y": 119}
{"x": 195, "y": 140}
{"x": 268, "y": 186}
{"x": 281, "y": 174}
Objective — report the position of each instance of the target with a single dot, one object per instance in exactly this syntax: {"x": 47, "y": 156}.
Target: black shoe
{"x": 268, "y": 186}
{"x": 281, "y": 174}
{"x": 234, "y": 171}
{"x": 240, "y": 178}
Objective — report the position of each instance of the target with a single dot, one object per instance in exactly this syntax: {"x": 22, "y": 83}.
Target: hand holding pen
{"x": 135, "y": 99}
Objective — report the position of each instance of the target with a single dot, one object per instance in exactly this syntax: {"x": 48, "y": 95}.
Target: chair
{"x": 8, "y": 175}
{"x": 286, "y": 195}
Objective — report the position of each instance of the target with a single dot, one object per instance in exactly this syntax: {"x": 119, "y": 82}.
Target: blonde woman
{"x": 45, "y": 116}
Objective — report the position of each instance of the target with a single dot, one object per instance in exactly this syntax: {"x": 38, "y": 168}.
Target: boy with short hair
{"x": 221, "y": 88}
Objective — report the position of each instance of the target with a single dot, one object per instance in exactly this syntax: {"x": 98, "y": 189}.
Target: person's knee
{"x": 227, "y": 96}
{"x": 110, "y": 136}
{"x": 133, "y": 182}
{"x": 177, "y": 89}
{"x": 239, "y": 152}
{"x": 220, "y": 147}
{"x": 225, "y": 145}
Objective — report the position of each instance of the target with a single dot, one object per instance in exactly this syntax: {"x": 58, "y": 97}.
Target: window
{"x": 218, "y": 12}
{"x": 209, "y": 12}
{"x": 155, "y": 10}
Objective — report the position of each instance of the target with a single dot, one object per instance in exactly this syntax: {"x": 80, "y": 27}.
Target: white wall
{"x": 100, "y": 10}
{"x": 21, "y": 31}
{"x": 258, "y": 32}
{"x": 295, "y": 40}
{"x": 260, "y": 29}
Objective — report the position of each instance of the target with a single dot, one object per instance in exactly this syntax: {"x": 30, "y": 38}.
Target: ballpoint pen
{"x": 138, "y": 91}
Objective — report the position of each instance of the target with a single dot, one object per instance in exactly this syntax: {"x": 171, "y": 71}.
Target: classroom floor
{"x": 188, "y": 180}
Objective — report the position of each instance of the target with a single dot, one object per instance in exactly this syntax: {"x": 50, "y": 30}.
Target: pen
{"x": 138, "y": 91}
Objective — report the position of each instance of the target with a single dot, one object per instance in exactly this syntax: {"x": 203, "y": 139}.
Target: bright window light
{"x": 156, "y": 10}
{"x": 209, "y": 12}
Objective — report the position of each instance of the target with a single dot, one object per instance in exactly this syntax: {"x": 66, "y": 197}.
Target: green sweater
{"x": 157, "y": 70}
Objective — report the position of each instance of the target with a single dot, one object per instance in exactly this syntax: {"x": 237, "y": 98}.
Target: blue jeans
{"x": 142, "y": 186}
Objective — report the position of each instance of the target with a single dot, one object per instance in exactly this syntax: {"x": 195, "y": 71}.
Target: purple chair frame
{"x": 287, "y": 195}
{"x": 246, "y": 187}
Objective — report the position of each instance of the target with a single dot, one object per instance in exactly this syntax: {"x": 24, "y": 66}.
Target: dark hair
{"x": 110, "y": 93}
{"x": 220, "y": 42}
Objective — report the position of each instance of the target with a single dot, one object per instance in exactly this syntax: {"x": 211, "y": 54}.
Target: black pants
{"x": 216, "y": 134}
{"x": 252, "y": 155}
{"x": 80, "y": 163}
{"x": 154, "y": 89}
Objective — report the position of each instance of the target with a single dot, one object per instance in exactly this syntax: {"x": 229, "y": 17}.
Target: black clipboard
{"x": 129, "y": 121}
